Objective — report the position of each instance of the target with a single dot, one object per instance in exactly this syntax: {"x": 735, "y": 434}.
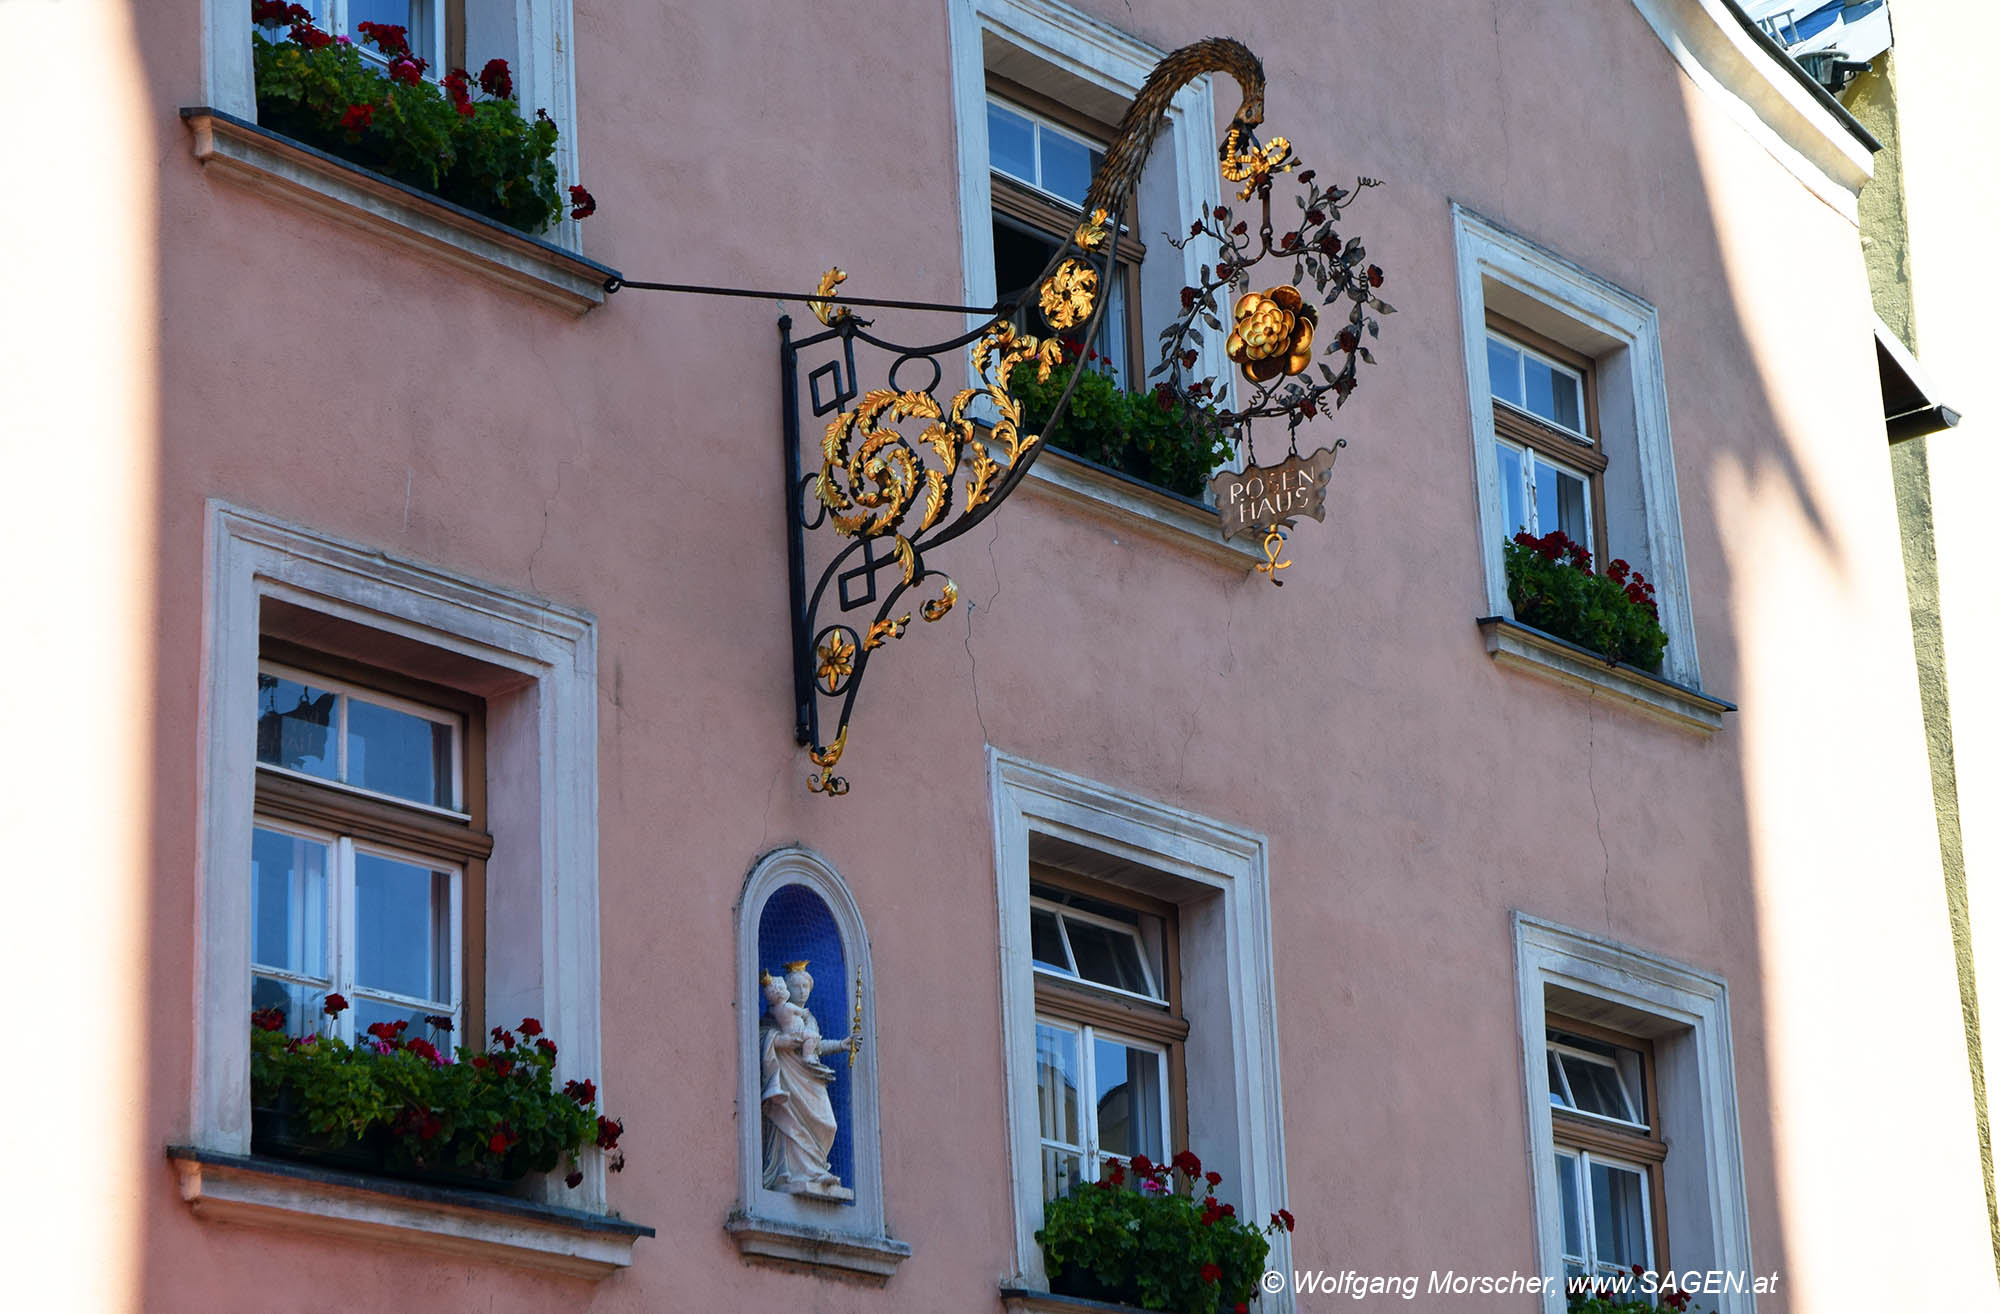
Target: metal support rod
{"x": 795, "y": 541}
{"x": 615, "y": 284}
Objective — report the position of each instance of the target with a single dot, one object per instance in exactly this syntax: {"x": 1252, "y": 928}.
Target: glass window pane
{"x": 1110, "y": 341}
{"x": 1557, "y": 1095}
{"x": 1107, "y": 957}
{"x": 1503, "y": 367}
{"x": 1055, "y": 1083}
{"x": 395, "y": 753}
{"x": 402, "y": 928}
{"x": 1010, "y": 142}
{"x": 1560, "y": 499}
{"x": 1061, "y": 1170}
{"x": 1130, "y": 1115}
{"x": 1569, "y": 1176}
{"x": 1541, "y": 384}
{"x": 1020, "y": 254}
{"x": 1065, "y": 165}
{"x": 302, "y": 1005}
{"x": 1049, "y": 951}
{"x": 1618, "y": 1214}
{"x": 1513, "y": 489}
{"x": 295, "y": 727}
{"x": 288, "y": 902}
{"x": 1568, "y": 399}
{"x": 1572, "y": 499}
{"x": 1598, "y": 1088}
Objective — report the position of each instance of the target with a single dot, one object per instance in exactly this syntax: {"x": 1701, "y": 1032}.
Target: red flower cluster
{"x": 408, "y": 71}
{"x": 424, "y": 1049}
{"x": 583, "y": 1092}
{"x": 386, "y": 37}
{"x": 442, "y": 1021}
{"x": 389, "y": 1032}
{"x": 458, "y": 86}
{"x": 273, "y": 13}
{"x": 530, "y": 1027}
{"x": 336, "y": 1004}
{"x": 1211, "y": 1272}
{"x": 357, "y": 118}
{"x": 268, "y": 1019}
{"x": 582, "y": 203}
{"x": 608, "y": 1132}
{"x": 496, "y": 80}
{"x": 502, "y": 1140}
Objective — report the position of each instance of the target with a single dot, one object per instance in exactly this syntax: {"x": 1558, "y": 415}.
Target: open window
{"x": 1603, "y": 1099}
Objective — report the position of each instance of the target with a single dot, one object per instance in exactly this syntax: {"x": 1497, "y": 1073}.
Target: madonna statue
{"x": 799, "y": 1124}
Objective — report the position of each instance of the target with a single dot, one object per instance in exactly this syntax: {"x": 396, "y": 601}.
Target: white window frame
{"x": 1529, "y": 456}
{"x": 1555, "y": 365}
{"x": 541, "y": 880}
{"x": 543, "y": 67}
{"x": 1084, "y": 48}
{"x": 1219, "y": 876}
{"x": 1090, "y": 1153}
{"x": 1561, "y": 1051}
{"x": 1693, "y": 1061}
{"x": 1153, "y": 994}
{"x": 347, "y": 689}
{"x": 342, "y": 943}
{"x": 1621, "y": 333}
{"x": 1042, "y": 123}
{"x": 1588, "y": 1261}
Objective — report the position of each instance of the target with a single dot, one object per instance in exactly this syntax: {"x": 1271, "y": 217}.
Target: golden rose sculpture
{"x": 1273, "y": 334}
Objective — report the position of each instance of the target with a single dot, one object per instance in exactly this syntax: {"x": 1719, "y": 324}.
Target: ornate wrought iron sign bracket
{"x": 902, "y": 471}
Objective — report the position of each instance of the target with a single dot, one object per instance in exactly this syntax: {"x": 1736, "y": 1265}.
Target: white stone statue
{"x": 799, "y": 1125}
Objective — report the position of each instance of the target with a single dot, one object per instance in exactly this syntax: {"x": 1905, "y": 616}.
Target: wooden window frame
{"x": 1588, "y": 1134}
{"x": 1080, "y": 1003}
{"x": 327, "y": 806}
{"x": 1524, "y": 429}
{"x": 1056, "y": 219}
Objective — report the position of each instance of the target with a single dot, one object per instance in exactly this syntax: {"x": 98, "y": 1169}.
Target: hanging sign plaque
{"x": 1267, "y": 499}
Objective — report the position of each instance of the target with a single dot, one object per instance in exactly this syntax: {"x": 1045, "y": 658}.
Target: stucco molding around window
{"x": 1219, "y": 876}
{"x": 1818, "y": 143}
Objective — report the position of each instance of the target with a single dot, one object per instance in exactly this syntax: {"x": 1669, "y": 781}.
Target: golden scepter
{"x": 853, "y": 1045}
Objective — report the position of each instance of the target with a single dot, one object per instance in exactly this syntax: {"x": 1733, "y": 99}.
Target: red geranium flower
{"x": 442, "y": 1021}
{"x": 582, "y": 203}
{"x": 608, "y": 1132}
{"x": 268, "y": 1019}
{"x": 1211, "y": 1272}
{"x": 501, "y": 1140}
{"x": 423, "y": 1048}
{"x": 530, "y": 1027}
{"x": 386, "y": 37}
{"x": 1187, "y": 1163}
{"x": 495, "y": 80}
{"x": 335, "y": 1005}
{"x": 309, "y": 36}
{"x": 1285, "y": 1216}
{"x": 1214, "y": 1179}
{"x": 547, "y": 1046}
{"x": 406, "y": 71}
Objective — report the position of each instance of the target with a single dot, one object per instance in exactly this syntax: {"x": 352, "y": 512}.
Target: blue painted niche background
{"x": 795, "y": 924}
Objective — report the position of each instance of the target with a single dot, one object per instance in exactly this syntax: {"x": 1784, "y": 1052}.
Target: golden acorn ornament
{"x": 1273, "y": 334}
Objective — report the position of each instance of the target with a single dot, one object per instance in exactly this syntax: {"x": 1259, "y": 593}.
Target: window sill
{"x": 232, "y": 1188}
{"x": 350, "y": 194}
{"x": 1022, "y": 1300}
{"x": 1525, "y": 648}
{"x": 871, "y": 1258}
{"x": 1138, "y": 506}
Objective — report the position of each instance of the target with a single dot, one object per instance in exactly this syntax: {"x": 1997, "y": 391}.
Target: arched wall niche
{"x": 796, "y": 908}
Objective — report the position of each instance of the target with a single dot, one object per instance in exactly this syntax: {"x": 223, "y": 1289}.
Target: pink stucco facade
{"x": 1412, "y": 793}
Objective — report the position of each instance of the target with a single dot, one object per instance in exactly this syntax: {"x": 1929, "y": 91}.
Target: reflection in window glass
{"x": 1106, "y": 957}
{"x": 288, "y": 902}
{"x": 1503, "y": 367}
{"x": 1066, "y": 165}
{"x": 1598, "y": 1089}
{"x": 1010, "y": 141}
{"x": 395, "y": 753}
{"x": 1618, "y": 1217}
{"x": 402, "y": 931}
{"x": 296, "y": 727}
{"x": 1049, "y": 951}
{"x": 1056, "y": 1083}
{"x": 1130, "y": 1109}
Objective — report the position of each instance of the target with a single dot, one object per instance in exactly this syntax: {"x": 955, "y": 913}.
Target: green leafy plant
{"x": 1133, "y": 432}
{"x": 1551, "y": 585}
{"x": 473, "y": 150}
{"x": 493, "y": 1113}
{"x": 1156, "y": 1237}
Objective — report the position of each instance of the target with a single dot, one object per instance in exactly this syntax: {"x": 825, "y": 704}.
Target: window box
{"x": 301, "y": 175}
{"x": 231, "y": 1188}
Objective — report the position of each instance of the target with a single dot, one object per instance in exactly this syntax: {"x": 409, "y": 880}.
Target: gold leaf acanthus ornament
{"x": 825, "y": 314}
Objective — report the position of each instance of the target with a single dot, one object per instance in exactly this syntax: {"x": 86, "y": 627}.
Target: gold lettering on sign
{"x": 1263, "y": 497}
